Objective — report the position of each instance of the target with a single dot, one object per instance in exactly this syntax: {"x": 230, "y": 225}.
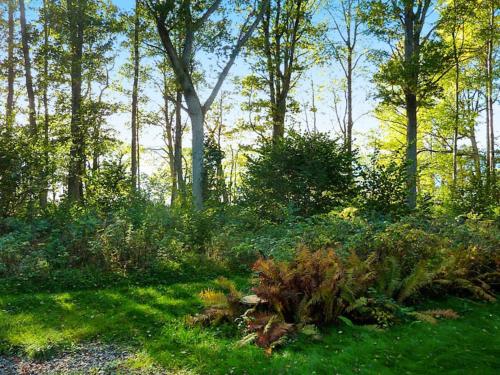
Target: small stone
{"x": 252, "y": 300}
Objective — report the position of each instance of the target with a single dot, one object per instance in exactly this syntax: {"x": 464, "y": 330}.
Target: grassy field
{"x": 151, "y": 322}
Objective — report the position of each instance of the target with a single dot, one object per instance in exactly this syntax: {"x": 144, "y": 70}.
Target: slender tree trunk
{"x": 411, "y": 149}
{"x": 350, "y": 122}
{"x": 170, "y": 144}
{"x": 76, "y": 10}
{"x": 457, "y": 111}
{"x": 45, "y": 100}
{"x": 178, "y": 145}
{"x": 135, "y": 89}
{"x": 411, "y": 64}
{"x": 27, "y": 68}
{"x": 488, "y": 142}
{"x": 489, "y": 90}
{"x": 220, "y": 170}
{"x": 475, "y": 153}
{"x": 9, "y": 110}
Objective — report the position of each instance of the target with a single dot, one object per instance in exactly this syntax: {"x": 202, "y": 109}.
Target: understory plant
{"x": 379, "y": 283}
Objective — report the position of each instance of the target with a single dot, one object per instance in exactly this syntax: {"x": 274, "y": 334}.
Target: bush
{"x": 383, "y": 186}
{"x": 316, "y": 287}
{"x": 339, "y": 266}
{"x": 301, "y": 174}
{"x": 137, "y": 236}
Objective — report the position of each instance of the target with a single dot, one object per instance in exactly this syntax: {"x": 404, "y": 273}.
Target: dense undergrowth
{"x": 146, "y": 237}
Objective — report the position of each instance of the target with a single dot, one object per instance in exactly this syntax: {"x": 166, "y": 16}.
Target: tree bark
{"x": 413, "y": 23}
{"x": 9, "y": 110}
{"x": 135, "y": 89}
{"x": 27, "y": 68}
{"x": 44, "y": 193}
{"x": 475, "y": 153}
{"x": 457, "y": 109}
{"x": 197, "y": 129}
{"x": 169, "y": 140}
{"x": 411, "y": 105}
{"x": 489, "y": 92}
{"x": 76, "y": 13}
{"x": 178, "y": 145}
{"x": 411, "y": 149}
{"x": 350, "y": 122}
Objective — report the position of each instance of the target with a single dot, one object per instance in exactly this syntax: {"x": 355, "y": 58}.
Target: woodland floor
{"x": 142, "y": 330}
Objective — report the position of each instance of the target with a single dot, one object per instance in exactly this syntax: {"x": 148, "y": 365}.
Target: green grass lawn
{"x": 150, "y": 321}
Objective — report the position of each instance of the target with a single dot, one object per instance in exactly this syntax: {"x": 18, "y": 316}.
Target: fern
{"x": 212, "y": 298}
{"x": 389, "y": 278}
{"x": 419, "y": 278}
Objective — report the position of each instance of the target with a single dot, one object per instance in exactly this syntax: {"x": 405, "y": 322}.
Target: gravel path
{"x": 95, "y": 359}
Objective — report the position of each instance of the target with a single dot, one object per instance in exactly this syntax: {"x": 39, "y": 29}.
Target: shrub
{"x": 383, "y": 185}
{"x": 302, "y": 174}
{"x": 315, "y": 287}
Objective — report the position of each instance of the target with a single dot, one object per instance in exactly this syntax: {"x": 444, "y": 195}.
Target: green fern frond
{"x": 419, "y": 278}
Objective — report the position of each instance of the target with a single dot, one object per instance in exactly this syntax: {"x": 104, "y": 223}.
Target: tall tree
{"x": 27, "y": 67}
{"x": 76, "y": 16}
{"x": 453, "y": 25}
{"x": 286, "y": 43}
{"x": 45, "y": 100}
{"x": 11, "y": 75}
{"x": 491, "y": 7}
{"x": 415, "y": 66}
{"x": 347, "y": 25}
{"x": 135, "y": 91}
{"x": 192, "y": 17}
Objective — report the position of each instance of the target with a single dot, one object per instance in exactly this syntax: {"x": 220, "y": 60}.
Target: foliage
{"x": 305, "y": 174}
{"x": 315, "y": 287}
{"x": 139, "y": 235}
{"x": 220, "y": 306}
{"x": 383, "y": 185}
{"x": 213, "y": 184}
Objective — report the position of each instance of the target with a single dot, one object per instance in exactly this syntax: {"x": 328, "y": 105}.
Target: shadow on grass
{"x": 150, "y": 320}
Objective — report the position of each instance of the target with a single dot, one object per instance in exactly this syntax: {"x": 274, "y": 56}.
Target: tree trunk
{"x": 475, "y": 153}
{"x": 170, "y": 143}
{"x": 197, "y": 123}
{"x": 178, "y": 145}
{"x": 220, "y": 170}
{"x": 350, "y": 122}
{"x": 76, "y": 13}
{"x": 489, "y": 93}
{"x": 411, "y": 149}
{"x": 135, "y": 90}
{"x": 27, "y": 68}
{"x": 457, "y": 112}
{"x": 411, "y": 61}
{"x": 9, "y": 110}
{"x": 279, "y": 117}
{"x": 44, "y": 193}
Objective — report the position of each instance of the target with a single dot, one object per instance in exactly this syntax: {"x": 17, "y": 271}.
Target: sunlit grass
{"x": 150, "y": 322}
